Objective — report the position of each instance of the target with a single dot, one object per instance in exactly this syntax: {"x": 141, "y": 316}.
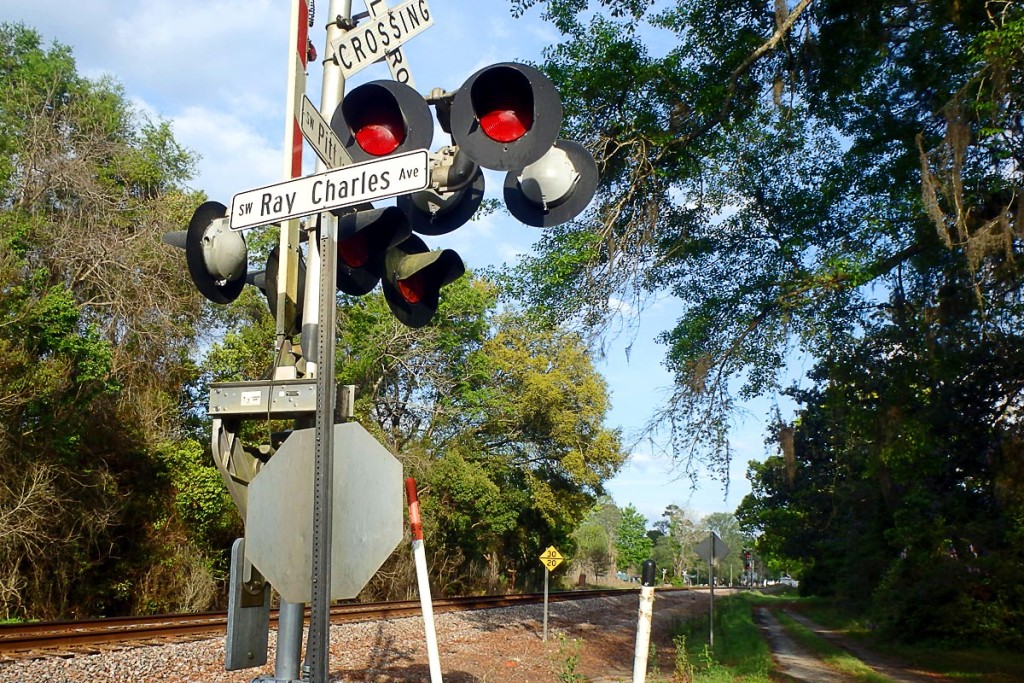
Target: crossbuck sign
{"x": 364, "y": 45}
{"x": 346, "y": 186}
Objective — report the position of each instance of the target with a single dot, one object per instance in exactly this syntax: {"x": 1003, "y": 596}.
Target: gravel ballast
{"x": 500, "y": 645}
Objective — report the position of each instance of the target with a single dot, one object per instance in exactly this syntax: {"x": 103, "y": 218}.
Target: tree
{"x": 786, "y": 170}
{"x": 894, "y": 490}
{"x": 593, "y": 549}
{"x": 96, "y": 328}
{"x": 844, "y": 180}
{"x": 500, "y": 421}
{"x": 674, "y": 550}
{"x": 594, "y": 537}
{"x": 513, "y": 405}
{"x": 632, "y": 545}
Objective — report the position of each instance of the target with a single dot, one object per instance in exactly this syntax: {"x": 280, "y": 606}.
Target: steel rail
{"x": 41, "y": 639}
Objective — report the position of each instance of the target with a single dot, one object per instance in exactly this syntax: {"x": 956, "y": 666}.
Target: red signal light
{"x": 411, "y": 288}
{"x": 507, "y": 123}
{"x": 506, "y": 116}
{"x": 503, "y": 100}
{"x": 380, "y": 132}
{"x": 354, "y": 251}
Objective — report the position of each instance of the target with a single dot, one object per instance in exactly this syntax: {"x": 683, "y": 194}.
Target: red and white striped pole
{"x": 423, "y": 580}
{"x": 287, "y": 657}
{"x": 288, "y": 253}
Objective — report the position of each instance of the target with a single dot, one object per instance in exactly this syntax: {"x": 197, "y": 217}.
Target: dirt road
{"x": 802, "y": 665}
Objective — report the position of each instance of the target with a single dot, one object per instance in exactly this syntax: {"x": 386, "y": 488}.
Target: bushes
{"x": 931, "y": 598}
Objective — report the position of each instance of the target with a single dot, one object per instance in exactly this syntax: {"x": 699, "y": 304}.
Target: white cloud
{"x": 622, "y": 307}
{"x": 235, "y": 156}
{"x": 489, "y": 241}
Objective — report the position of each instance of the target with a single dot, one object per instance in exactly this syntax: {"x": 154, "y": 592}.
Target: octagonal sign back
{"x": 367, "y": 517}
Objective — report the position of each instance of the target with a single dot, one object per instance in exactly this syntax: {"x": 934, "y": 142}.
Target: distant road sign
{"x": 712, "y": 548}
{"x": 551, "y": 558}
{"x": 346, "y": 186}
{"x": 319, "y": 134}
{"x": 370, "y": 42}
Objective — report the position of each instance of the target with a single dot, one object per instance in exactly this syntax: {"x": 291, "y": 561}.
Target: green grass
{"x": 968, "y": 663}
{"x": 739, "y": 654}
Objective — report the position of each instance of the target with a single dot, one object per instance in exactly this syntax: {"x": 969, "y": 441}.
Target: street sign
{"x": 366, "y": 515}
{"x": 551, "y": 558}
{"x": 346, "y": 186}
{"x": 378, "y": 9}
{"x": 711, "y": 548}
{"x": 319, "y": 134}
{"x": 369, "y": 43}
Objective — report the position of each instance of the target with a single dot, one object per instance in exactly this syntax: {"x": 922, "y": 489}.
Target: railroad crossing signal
{"x": 378, "y": 120}
{"x": 381, "y": 118}
{"x": 551, "y": 558}
{"x": 505, "y": 117}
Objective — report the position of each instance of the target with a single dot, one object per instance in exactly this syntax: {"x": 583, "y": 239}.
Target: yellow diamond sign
{"x": 551, "y": 558}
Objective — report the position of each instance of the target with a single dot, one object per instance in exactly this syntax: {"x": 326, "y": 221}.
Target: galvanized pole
{"x": 711, "y": 580}
{"x": 322, "y": 269}
{"x": 288, "y": 652}
{"x": 547, "y": 573}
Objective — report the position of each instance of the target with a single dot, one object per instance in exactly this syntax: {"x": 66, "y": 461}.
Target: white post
{"x": 643, "y": 626}
{"x": 423, "y": 581}
{"x": 547, "y": 573}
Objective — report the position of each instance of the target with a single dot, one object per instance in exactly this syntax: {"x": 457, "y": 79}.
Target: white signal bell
{"x": 550, "y": 180}
{"x": 554, "y": 189}
{"x": 224, "y": 251}
{"x": 216, "y": 255}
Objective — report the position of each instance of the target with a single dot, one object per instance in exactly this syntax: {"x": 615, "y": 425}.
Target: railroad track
{"x": 92, "y": 636}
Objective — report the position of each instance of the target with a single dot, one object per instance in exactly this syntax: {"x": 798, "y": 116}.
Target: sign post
{"x": 318, "y": 340}
{"x": 551, "y": 558}
{"x": 710, "y": 550}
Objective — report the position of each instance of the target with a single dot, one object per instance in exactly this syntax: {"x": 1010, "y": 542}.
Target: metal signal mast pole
{"x": 320, "y": 305}
{"x": 288, "y": 653}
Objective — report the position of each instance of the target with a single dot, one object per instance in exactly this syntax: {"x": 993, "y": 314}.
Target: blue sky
{"x": 216, "y": 70}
